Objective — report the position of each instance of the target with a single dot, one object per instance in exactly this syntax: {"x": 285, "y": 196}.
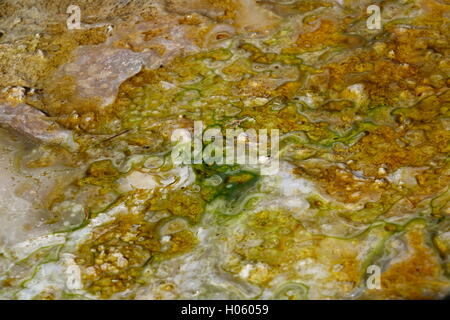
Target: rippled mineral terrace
{"x": 92, "y": 205}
